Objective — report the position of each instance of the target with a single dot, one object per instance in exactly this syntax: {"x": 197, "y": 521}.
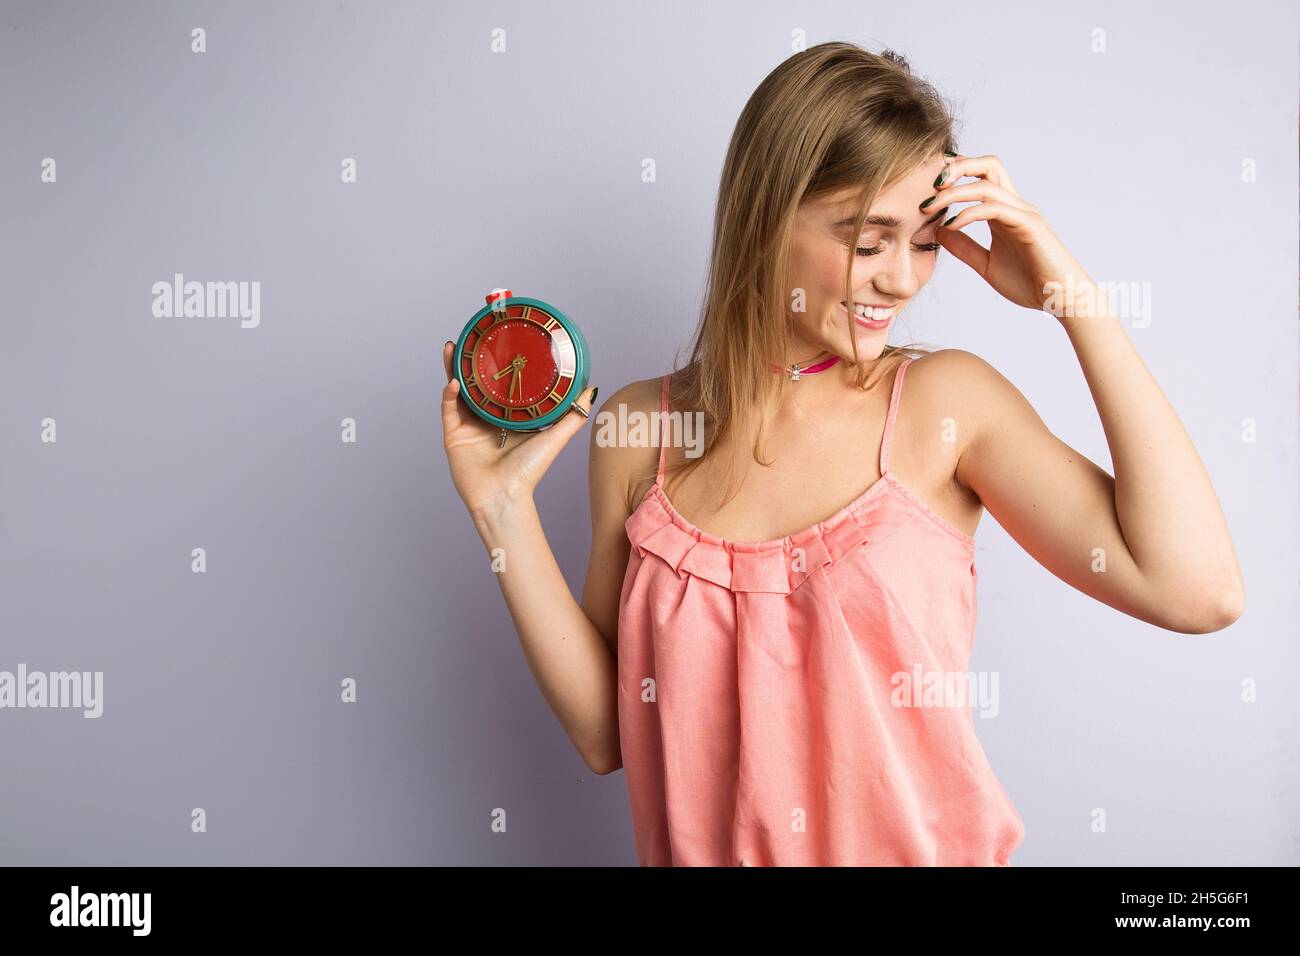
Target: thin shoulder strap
{"x": 892, "y": 415}
{"x": 663, "y": 427}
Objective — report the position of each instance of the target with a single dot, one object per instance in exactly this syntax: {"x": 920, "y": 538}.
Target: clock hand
{"x": 518, "y": 360}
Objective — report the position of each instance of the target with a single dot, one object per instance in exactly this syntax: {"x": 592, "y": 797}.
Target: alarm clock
{"x": 521, "y": 363}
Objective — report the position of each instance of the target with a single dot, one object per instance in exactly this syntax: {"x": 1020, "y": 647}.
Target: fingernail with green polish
{"x": 927, "y": 202}
{"x": 949, "y": 220}
{"x": 949, "y": 153}
{"x": 594, "y": 392}
{"x": 938, "y": 180}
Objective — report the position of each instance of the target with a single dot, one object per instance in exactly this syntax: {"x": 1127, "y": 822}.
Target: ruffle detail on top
{"x": 776, "y": 566}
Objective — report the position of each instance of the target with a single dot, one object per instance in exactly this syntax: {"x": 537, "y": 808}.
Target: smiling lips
{"x": 872, "y": 317}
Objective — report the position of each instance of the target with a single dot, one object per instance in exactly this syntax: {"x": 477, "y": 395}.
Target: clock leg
{"x": 501, "y": 442}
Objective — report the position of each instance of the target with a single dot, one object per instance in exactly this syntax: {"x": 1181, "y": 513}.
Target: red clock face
{"x": 518, "y": 363}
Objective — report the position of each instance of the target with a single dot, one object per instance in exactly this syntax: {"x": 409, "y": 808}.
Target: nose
{"x": 896, "y": 276}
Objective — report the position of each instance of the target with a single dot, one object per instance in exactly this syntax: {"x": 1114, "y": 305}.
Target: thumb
{"x": 965, "y": 248}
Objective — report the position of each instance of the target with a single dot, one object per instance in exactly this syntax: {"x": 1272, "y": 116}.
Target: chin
{"x": 871, "y": 345}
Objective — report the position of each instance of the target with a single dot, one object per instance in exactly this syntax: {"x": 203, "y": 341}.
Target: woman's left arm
{"x": 1177, "y": 567}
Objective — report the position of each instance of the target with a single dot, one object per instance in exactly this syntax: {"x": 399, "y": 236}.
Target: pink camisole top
{"x": 772, "y": 696}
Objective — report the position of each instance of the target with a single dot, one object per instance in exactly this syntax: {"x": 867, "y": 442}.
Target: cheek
{"x": 831, "y": 273}
{"x": 809, "y": 267}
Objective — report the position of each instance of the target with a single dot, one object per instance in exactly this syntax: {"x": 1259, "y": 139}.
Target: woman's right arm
{"x": 571, "y": 650}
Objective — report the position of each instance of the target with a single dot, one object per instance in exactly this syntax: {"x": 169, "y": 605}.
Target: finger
{"x": 1017, "y": 219}
{"x": 451, "y": 411}
{"x": 988, "y": 168}
{"x": 980, "y": 191}
{"x": 453, "y": 415}
{"x": 457, "y": 414}
{"x": 964, "y": 248}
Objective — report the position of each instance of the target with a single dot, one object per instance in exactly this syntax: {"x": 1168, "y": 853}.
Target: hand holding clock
{"x": 487, "y": 476}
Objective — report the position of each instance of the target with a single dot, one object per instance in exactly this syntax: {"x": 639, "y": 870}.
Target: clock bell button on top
{"x": 492, "y": 297}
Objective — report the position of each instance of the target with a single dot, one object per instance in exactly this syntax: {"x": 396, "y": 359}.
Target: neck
{"x": 818, "y": 364}
{"x": 811, "y": 359}
{"x": 814, "y": 395}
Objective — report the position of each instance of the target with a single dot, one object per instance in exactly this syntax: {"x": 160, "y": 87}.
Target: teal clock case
{"x": 581, "y": 361}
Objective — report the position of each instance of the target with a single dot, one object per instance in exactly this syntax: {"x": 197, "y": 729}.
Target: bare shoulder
{"x": 950, "y": 365}
{"x": 619, "y": 467}
{"x": 972, "y": 396}
{"x": 961, "y": 380}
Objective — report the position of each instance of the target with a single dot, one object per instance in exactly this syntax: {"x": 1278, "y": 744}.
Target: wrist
{"x": 1075, "y": 298}
{"x": 1081, "y": 307}
{"x": 498, "y": 513}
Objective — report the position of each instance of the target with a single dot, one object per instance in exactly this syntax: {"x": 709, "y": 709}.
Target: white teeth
{"x": 868, "y": 313}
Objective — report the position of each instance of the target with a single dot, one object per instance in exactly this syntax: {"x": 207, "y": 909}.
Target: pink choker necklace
{"x": 796, "y": 370}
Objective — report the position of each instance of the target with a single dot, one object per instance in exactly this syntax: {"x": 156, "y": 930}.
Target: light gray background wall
{"x": 329, "y": 560}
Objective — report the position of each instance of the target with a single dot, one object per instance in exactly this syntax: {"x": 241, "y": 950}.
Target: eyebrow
{"x": 888, "y": 222}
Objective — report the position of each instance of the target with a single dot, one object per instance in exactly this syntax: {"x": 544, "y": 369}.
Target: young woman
{"x": 751, "y": 613}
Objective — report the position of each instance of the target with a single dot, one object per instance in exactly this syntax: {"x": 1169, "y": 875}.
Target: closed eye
{"x": 920, "y": 246}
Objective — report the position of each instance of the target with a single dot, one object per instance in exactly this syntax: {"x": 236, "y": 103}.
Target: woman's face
{"x": 892, "y": 259}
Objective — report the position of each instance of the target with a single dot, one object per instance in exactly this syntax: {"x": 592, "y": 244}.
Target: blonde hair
{"x": 832, "y": 117}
